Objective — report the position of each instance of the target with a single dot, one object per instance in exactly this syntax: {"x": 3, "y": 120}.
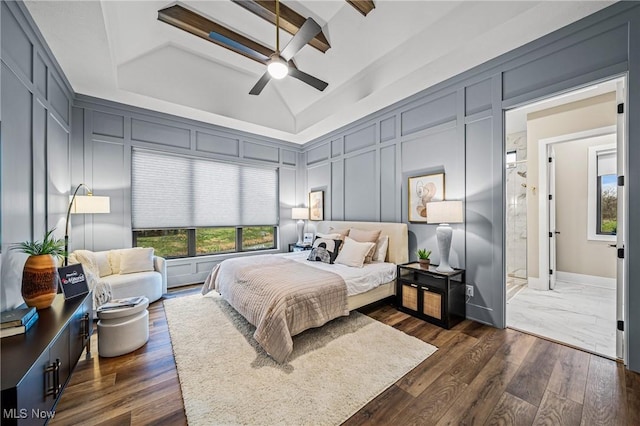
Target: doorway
{"x": 564, "y": 218}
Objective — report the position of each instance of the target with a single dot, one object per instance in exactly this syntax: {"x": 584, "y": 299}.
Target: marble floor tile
{"x": 580, "y": 315}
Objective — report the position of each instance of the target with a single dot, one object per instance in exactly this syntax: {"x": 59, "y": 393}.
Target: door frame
{"x": 542, "y": 283}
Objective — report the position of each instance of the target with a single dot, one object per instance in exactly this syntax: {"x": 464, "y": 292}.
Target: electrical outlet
{"x": 469, "y": 290}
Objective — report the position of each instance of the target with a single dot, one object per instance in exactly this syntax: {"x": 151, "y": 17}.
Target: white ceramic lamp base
{"x": 300, "y": 229}
{"x": 443, "y": 234}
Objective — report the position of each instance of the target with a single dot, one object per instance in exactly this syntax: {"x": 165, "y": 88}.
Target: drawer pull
{"x": 414, "y": 285}
{"x": 425, "y": 288}
{"x": 84, "y": 326}
{"x": 54, "y": 369}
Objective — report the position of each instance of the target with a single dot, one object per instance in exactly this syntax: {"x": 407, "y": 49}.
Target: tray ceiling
{"x": 120, "y": 51}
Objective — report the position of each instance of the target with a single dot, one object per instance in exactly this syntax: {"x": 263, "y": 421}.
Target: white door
{"x": 553, "y": 232}
{"x": 622, "y": 217}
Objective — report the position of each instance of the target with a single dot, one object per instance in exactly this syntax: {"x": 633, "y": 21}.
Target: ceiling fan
{"x": 280, "y": 63}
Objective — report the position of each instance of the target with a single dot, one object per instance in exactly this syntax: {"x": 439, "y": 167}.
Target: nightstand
{"x": 436, "y": 297}
{"x": 296, "y": 247}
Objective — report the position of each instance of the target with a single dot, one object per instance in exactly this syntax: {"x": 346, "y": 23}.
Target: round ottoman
{"x": 123, "y": 330}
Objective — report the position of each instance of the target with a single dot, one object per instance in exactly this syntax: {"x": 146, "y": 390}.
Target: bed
{"x": 284, "y": 294}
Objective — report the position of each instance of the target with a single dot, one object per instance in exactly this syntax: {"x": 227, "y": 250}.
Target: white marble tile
{"x": 579, "y": 315}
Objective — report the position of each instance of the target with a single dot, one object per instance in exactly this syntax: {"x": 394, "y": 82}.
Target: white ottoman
{"x": 123, "y": 330}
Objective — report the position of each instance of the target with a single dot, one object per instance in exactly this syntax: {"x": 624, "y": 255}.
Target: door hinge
{"x": 550, "y": 197}
{"x": 550, "y": 271}
{"x": 620, "y": 180}
{"x": 621, "y": 253}
{"x": 550, "y": 234}
{"x": 620, "y": 108}
{"x": 620, "y": 325}
{"x": 551, "y": 159}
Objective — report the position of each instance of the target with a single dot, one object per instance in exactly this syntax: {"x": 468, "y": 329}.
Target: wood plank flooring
{"x": 479, "y": 375}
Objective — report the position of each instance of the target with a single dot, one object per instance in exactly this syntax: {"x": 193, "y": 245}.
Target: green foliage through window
{"x": 190, "y": 242}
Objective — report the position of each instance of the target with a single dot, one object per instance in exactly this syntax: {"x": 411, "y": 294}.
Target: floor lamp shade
{"x": 83, "y": 204}
{"x": 444, "y": 213}
{"x": 302, "y": 214}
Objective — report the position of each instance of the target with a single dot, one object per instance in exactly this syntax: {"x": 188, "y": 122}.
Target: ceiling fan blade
{"x": 305, "y": 34}
{"x": 309, "y": 79}
{"x": 260, "y": 84}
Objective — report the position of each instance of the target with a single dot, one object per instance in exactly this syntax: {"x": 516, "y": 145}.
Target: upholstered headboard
{"x": 397, "y": 232}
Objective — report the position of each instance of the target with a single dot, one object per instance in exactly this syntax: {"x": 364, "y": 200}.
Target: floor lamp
{"x": 444, "y": 213}
{"x": 83, "y": 204}
{"x": 302, "y": 214}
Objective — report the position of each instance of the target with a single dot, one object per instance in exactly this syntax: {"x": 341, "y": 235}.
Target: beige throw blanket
{"x": 280, "y": 297}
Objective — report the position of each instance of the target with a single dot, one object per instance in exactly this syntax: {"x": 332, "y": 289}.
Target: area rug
{"x": 227, "y": 379}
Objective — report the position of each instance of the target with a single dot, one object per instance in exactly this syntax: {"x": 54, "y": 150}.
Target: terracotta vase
{"x": 424, "y": 263}
{"x": 40, "y": 281}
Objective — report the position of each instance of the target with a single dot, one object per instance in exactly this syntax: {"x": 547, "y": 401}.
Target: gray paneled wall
{"x": 106, "y": 132}
{"x": 456, "y": 127}
{"x": 35, "y": 101}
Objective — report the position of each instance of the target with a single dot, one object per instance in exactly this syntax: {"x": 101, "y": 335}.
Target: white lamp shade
{"x": 444, "y": 212}
{"x": 300, "y": 213}
{"x": 88, "y": 204}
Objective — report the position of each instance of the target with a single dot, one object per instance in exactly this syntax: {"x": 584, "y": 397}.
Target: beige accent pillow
{"x": 136, "y": 260}
{"x": 344, "y": 232}
{"x": 382, "y": 245}
{"x": 102, "y": 261}
{"x": 353, "y": 253}
{"x": 362, "y": 236}
{"x": 114, "y": 260}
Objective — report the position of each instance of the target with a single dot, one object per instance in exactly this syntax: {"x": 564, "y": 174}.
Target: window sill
{"x": 220, "y": 257}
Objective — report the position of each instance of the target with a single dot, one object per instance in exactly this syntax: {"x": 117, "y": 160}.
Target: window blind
{"x": 607, "y": 163}
{"x": 170, "y": 191}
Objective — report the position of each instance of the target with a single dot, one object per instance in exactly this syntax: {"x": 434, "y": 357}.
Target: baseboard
{"x": 590, "y": 280}
{"x": 536, "y": 283}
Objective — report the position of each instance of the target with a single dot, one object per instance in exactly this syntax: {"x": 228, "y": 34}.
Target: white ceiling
{"x": 118, "y": 50}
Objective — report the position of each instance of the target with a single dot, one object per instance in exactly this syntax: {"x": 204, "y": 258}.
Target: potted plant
{"x": 40, "y": 273}
{"x": 423, "y": 257}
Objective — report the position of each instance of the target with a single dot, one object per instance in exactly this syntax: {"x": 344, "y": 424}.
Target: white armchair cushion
{"x": 136, "y": 260}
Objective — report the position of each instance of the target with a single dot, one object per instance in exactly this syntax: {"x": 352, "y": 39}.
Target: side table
{"x": 436, "y": 297}
{"x": 123, "y": 330}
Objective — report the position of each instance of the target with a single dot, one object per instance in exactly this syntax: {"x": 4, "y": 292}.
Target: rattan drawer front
{"x": 410, "y": 297}
{"x": 432, "y": 304}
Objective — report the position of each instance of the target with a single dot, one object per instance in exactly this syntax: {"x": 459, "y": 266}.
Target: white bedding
{"x": 358, "y": 280}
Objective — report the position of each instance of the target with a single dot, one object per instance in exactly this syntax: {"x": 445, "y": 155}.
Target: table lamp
{"x": 444, "y": 213}
{"x": 302, "y": 214}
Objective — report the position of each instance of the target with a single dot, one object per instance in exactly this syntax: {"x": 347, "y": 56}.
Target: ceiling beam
{"x": 202, "y": 27}
{"x": 362, "y": 6}
{"x": 290, "y": 20}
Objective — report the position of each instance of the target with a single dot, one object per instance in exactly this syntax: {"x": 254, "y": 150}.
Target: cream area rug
{"x": 227, "y": 379}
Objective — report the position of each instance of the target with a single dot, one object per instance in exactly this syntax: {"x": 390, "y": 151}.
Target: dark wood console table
{"x": 37, "y": 365}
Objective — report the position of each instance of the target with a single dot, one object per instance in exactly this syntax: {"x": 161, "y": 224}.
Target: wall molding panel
{"x": 456, "y": 126}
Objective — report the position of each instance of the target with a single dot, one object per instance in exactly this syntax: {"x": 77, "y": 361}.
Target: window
{"x": 185, "y": 206}
{"x": 603, "y": 193}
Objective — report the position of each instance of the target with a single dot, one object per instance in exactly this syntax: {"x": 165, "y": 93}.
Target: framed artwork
{"x": 423, "y": 189}
{"x": 316, "y": 205}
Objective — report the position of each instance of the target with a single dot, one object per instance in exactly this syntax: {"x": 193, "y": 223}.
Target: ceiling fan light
{"x": 277, "y": 68}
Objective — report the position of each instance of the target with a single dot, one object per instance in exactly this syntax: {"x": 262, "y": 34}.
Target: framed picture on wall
{"x": 316, "y": 205}
{"x": 424, "y": 189}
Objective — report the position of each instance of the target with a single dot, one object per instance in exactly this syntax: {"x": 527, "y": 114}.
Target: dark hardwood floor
{"x": 479, "y": 376}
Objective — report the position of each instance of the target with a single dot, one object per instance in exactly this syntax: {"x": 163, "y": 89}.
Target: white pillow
{"x": 353, "y": 253}
{"x": 101, "y": 260}
{"x": 136, "y": 260}
{"x": 380, "y": 254}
